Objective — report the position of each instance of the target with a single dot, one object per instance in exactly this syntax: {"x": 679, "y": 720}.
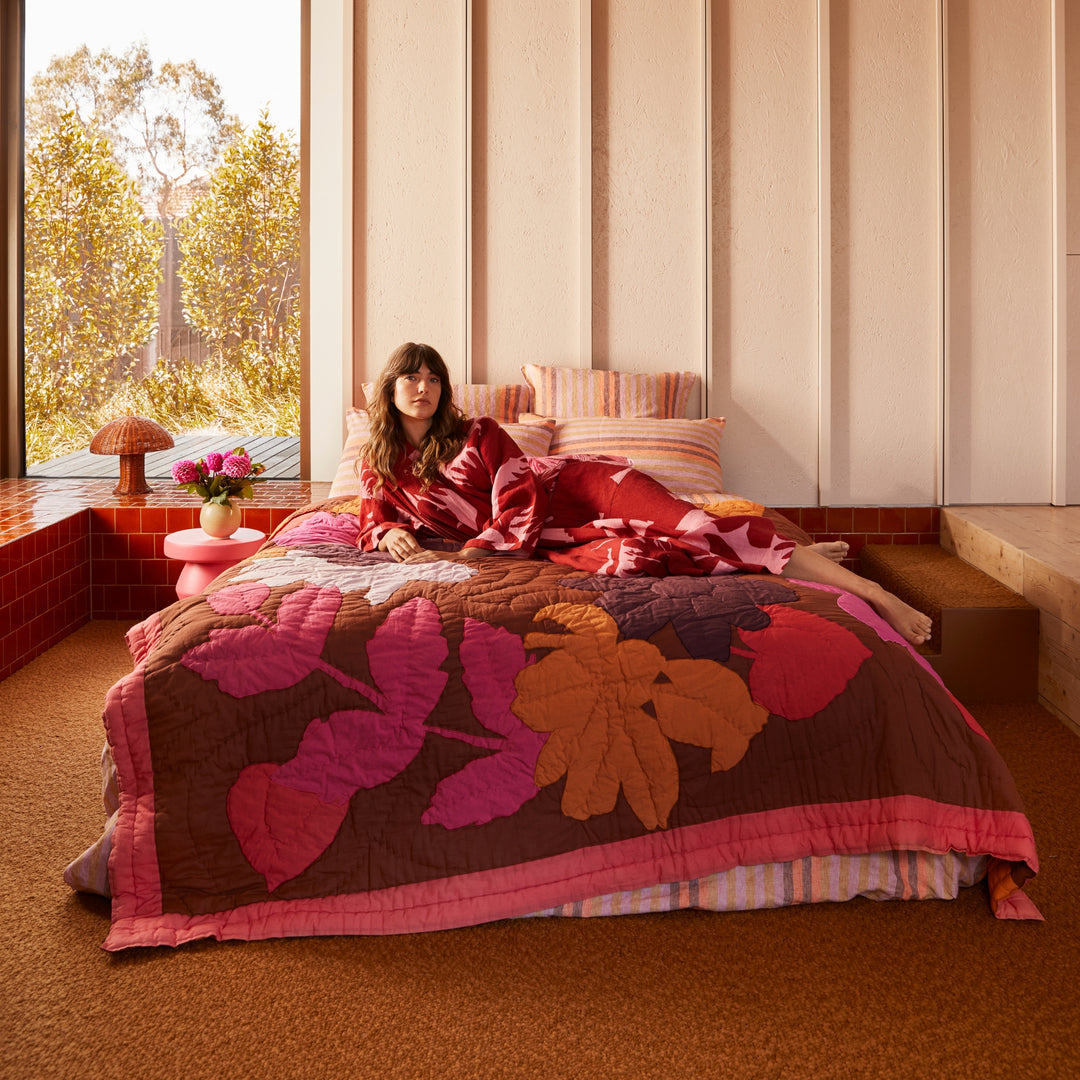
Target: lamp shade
{"x": 131, "y": 437}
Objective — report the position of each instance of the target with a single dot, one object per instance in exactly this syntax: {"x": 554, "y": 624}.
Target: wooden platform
{"x": 280, "y": 455}
{"x": 1035, "y": 550}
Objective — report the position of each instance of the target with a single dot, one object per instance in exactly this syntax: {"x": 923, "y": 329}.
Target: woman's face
{"x": 416, "y": 395}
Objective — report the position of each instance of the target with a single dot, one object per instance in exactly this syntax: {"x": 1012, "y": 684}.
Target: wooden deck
{"x": 1035, "y": 550}
{"x": 280, "y": 455}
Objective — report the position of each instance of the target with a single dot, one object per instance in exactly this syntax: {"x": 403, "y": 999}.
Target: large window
{"x": 162, "y": 227}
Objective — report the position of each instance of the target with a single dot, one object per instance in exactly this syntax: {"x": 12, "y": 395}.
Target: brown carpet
{"x": 861, "y": 989}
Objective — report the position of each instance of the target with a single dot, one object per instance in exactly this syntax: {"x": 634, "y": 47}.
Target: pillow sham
{"x": 501, "y": 401}
{"x": 576, "y": 392}
{"x": 533, "y": 438}
{"x": 684, "y": 455}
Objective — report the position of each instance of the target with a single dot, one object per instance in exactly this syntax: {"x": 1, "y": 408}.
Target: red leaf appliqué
{"x": 801, "y": 661}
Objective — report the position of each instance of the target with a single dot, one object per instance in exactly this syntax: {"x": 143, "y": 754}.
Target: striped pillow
{"x": 502, "y": 401}
{"x": 346, "y": 482}
{"x": 533, "y": 438}
{"x": 684, "y": 455}
{"x": 575, "y": 392}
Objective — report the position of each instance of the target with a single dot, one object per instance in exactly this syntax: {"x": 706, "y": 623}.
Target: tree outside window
{"x": 140, "y": 187}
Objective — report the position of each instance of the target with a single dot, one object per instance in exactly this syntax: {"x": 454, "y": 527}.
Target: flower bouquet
{"x": 219, "y": 478}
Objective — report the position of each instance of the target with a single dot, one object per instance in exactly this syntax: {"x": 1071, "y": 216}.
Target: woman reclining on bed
{"x": 425, "y": 465}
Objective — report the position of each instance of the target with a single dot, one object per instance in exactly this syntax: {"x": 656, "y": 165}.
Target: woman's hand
{"x": 402, "y": 545}
{"x": 464, "y": 555}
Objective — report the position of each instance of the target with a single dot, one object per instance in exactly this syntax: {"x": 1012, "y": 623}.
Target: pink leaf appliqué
{"x": 245, "y": 660}
{"x": 362, "y": 748}
{"x": 801, "y": 661}
{"x": 500, "y": 784}
{"x": 352, "y": 749}
{"x": 243, "y": 599}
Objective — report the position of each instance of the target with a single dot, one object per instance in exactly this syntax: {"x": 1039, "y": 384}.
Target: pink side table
{"x": 206, "y": 556}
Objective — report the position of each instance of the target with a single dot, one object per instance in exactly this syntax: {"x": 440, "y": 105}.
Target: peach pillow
{"x": 684, "y": 455}
{"x": 501, "y": 401}
{"x": 576, "y": 392}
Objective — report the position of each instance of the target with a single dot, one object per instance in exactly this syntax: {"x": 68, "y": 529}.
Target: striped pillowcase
{"x": 533, "y": 439}
{"x": 346, "y": 482}
{"x": 684, "y": 455}
{"x": 504, "y": 402}
{"x": 576, "y": 392}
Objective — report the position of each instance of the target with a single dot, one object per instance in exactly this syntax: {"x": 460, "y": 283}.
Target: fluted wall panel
{"x": 526, "y": 225}
{"x": 764, "y": 280}
{"x": 840, "y": 213}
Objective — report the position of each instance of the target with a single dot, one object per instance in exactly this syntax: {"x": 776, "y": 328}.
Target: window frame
{"x": 326, "y": 37}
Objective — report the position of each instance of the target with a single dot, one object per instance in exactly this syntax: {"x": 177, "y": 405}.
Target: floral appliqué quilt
{"x": 328, "y": 742}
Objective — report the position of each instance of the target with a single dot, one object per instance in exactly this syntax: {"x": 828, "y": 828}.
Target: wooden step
{"x": 985, "y": 638}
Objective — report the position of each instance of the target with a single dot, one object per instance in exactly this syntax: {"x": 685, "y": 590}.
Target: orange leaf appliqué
{"x": 590, "y": 694}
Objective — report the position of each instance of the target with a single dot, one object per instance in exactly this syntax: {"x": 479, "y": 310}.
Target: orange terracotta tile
{"x": 893, "y": 519}
{"x": 143, "y": 599}
{"x": 919, "y": 519}
{"x": 153, "y": 519}
{"x": 114, "y": 546}
{"x": 838, "y": 519}
{"x": 159, "y": 572}
{"x": 865, "y": 519}
{"x": 141, "y": 546}
{"x": 128, "y": 519}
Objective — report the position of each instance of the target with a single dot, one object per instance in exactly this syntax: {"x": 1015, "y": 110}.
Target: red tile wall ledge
{"x": 71, "y": 550}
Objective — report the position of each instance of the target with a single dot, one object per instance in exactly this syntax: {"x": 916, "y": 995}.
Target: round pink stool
{"x": 207, "y": 556}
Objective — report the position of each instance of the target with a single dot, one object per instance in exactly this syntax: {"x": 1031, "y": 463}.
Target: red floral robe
{"x": 602, "y": 516}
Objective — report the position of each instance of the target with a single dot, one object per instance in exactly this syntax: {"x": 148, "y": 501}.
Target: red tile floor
{"x": 71, "y": 550}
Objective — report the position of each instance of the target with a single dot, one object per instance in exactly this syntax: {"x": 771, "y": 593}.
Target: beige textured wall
{"x": 999, "y": 255}
{"x": 764, "y": 241}
{"x": 409, "y": 176}
{"x": 526, "y": 213}
{"x": 1070, "y": 323}
{"x": 881, "y": 429}
{"x": 866, "y": 288}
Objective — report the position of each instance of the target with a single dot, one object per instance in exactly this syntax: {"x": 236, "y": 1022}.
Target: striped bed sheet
{"x": 885, "y": 875}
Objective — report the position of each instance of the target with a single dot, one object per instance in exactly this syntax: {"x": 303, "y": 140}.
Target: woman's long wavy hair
{"x": 386, "y": 437}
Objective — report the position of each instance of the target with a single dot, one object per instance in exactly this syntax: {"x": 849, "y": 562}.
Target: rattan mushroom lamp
{"x": 131, "y": 437}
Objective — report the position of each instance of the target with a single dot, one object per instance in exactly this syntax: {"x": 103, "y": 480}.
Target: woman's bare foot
{"x": 837, "y": 550}
{"x": 810, "y": 565}
{"x": 907, "y": 621}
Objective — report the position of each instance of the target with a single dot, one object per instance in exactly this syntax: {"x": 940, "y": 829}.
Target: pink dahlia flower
{"x": 213, "y": 461}
{"x": 236, "y": 465}
{"x": 185, "y": 472}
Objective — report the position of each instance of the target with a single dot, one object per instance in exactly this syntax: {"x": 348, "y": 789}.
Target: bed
{"x": 328, "y": 742}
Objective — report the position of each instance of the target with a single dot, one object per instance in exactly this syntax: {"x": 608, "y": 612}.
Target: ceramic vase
{"x": 219, "y": 519}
